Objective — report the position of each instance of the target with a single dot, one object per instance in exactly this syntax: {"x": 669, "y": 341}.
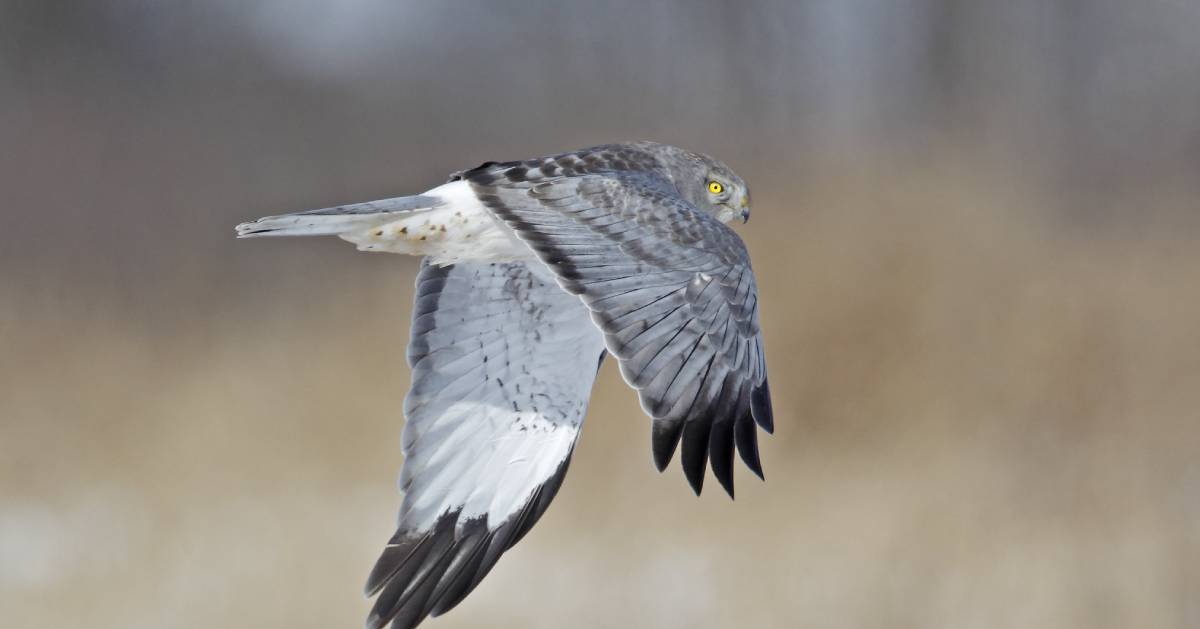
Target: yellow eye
{"x": 715, "y": 187}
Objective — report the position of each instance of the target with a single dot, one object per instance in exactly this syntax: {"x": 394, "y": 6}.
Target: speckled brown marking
{"x": 404, "y": 230}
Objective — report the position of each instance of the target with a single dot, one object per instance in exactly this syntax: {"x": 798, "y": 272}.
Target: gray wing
{"x": 503, "y": 365}
{"x": 673, "y": 292}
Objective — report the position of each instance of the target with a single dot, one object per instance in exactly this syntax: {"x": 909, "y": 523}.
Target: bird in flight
{"x": 532, "y": 272}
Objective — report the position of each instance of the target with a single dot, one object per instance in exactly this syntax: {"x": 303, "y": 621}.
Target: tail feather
{"x": 335, "y": 220}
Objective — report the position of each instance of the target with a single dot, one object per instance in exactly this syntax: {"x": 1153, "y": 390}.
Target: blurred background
{"x": 977, "y": 236}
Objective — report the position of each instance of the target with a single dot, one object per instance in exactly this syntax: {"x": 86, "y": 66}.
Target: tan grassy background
{"x": 981, "y": 301}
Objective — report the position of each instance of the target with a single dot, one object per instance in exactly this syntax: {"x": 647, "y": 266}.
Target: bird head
{"x": 707, "y": 183}
{"x": 725, "y": 195}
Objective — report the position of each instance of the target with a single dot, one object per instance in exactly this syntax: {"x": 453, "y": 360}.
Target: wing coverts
{"x": 671, "y": 288}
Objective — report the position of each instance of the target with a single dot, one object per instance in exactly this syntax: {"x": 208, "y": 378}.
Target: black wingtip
{"x": 460, "y": 574}
{"x": 664, "y": 439}
{"x": 403, "y": 549}
{"x": 727, "y": 486}
{"x": 720, "y": 453}
{"x": 402, "y": 600}
{"x": 746, "y": 435}
{"x": 423, "y": 574}
{"x": 694, "y": 456}
{"x": 760, "y": 407}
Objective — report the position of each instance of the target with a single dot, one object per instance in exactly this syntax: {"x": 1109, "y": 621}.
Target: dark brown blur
{"x": 977, "y": 236}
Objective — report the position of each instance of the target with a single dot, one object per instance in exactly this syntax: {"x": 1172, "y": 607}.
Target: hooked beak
{"x": 745, "y": 210}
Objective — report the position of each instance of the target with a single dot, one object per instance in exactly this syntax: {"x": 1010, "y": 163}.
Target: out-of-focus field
{"x": 979, "y": 425}
{"x": 987, "y": 386}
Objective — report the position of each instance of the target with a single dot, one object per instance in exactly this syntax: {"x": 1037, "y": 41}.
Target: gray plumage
{"x": 496, "y": 351}
{"x": 534, "y": 270}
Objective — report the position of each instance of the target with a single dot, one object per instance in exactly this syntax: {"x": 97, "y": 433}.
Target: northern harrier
{"x": 532, "y": 271}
